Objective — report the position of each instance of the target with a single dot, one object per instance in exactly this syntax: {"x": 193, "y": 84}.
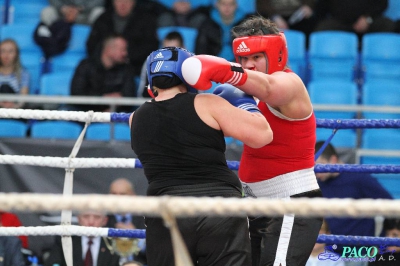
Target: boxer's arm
{"x": 237, "y": 97}
{"x": 200, "y": 70}
{"x": 130, "y": 119}
{"x": 250, "y": 128}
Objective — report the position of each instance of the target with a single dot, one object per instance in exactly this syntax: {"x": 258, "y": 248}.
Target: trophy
{"x": 123, "y": 246}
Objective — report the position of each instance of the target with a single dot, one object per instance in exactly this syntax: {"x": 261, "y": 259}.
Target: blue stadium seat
{"x": 344, "y": 138}
{"x": 79, "y": 35}
{"x": 393, "y": 10}
{"x": 67, "y": 61}
{"x": 26, "y": 11}
{"x": 333, "y": 54}
{"x": 381, "y": 139}
{"x": 380, "y": 56}
{"x": 381, "y": 93}
{"x": 247, "y": 6}
{"x": 55, "y": 130}
{"x": 331, "y": 91}
{"x": 296, "y": 43}
{"x": 189, "y": 35}
{"x": 390, "y": 182}
{"x": 57, "y": 83}
{"x": 22, "y": 33}
{"x": 99, "y": 131}
{"x": 380, "y": 160}
{"x": 122, "y": 132}
{"x": 33, "y": 62}
{"x": 10, "y": 128}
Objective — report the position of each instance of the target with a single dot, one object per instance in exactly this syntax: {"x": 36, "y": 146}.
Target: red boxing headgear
{"x": 273, "y": 45}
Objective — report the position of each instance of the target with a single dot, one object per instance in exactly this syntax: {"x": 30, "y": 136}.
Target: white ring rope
{"x": 194, "y": 206}
{"x": 65, "y": 162}
{"x": 55, "y": 115}
{"x": 62, "y": 230}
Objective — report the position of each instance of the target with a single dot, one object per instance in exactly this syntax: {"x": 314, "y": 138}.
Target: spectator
{"x": 214, "y": 37}
{"x": 319, "y": 248}
{"x": 172, "y": 39}
{"x": 10, "y": 251}
{"x": 72, "y": 11}
{"x": 294, "y": 15}
{"x": 53, "y": 39}
{"x": 8, "y": 219}
{"x": 108, "y": 75}
{"x": 122, "y": 186}
{"x": 348, "y": 185}
{"x": 82, "y": 249}
{"x": 390, "y": 255}
{"x": 182, "y": 14}
{"x": 358, "y": 16}
{"x": 14, "y": 78}
{"x": 136, "y": 25}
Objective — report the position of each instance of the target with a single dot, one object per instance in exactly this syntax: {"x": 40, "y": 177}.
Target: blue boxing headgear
{"x": 167, "y": 62}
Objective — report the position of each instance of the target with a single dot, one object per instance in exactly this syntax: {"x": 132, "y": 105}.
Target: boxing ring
{"x": 169, "y": 208}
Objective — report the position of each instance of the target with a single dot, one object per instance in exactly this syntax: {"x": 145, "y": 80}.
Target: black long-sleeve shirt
{"x": 92, "y": 79}
{"x": 349, "y": 11}
{"x": 140, "y": 32}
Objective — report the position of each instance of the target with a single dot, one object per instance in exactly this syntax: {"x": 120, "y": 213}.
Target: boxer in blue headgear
{"x": 179, "y": 139}
{"x": 164, "y": 69}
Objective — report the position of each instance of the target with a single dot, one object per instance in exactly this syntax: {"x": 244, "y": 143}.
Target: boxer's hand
{"x": 237, "y": 98}
{"x": 199, "y": 70}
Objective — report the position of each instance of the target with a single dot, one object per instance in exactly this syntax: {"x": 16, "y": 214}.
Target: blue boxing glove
{"x": 237, "y": 97}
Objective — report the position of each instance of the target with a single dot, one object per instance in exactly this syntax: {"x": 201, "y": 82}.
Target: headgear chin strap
{"x": 166, "y": 62}
{"x": 273, "y": 45}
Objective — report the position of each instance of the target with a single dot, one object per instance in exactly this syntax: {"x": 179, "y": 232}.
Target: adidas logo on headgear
{"x": 159, "y": 55}
{"x": 242, "y": 48}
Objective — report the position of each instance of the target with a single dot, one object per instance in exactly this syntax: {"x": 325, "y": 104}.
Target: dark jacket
{"x": 349, "y": 11}
{"x": 140, "y": 32}
{"x": 92, "y": 79}
{"x": 56, "y": 256}
{"x": 269, "y": 8}
{"x": 210, "y": 37}
{"x": 10, "y": 251}
{"x": 53, "y": 39}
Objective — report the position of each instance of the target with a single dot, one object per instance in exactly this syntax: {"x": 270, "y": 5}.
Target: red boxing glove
{"x": 199, "y": 70}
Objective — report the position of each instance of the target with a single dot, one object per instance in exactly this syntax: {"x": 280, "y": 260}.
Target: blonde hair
{"x": 17, "y": 70}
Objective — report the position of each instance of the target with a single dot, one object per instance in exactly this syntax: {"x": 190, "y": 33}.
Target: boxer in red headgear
{"x": 283, "y": 168}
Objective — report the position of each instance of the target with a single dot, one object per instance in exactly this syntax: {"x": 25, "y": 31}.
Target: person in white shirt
{"x": 322, "y": 260}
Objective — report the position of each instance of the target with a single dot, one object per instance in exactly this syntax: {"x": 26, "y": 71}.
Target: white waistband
{"x": 283, "y": 186}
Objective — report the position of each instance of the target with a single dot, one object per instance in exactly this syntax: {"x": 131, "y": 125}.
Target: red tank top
{"x": 292, "y": 149}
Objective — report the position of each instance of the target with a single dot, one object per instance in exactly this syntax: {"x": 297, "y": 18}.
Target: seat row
{"x": 384, "y": 139}
{"x": 339, "y": 55}
{"x": 63, "y": 130}
{"x": 331, "y": 55}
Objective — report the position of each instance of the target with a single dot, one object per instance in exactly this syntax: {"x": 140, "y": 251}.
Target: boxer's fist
{"x": 237, "y": 97}
{"x": 199, "y": 70}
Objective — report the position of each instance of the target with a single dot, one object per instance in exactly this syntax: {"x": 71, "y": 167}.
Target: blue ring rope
{"x": 328, "y": 239}
{"x": 323, "y": 123}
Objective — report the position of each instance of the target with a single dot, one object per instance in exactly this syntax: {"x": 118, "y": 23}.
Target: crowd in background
{"x": 136, "y": 22}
